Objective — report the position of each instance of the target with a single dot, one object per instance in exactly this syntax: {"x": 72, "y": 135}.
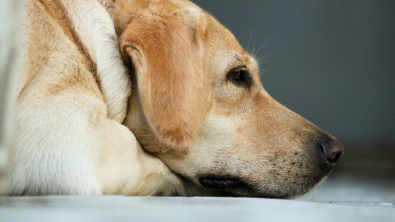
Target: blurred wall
{"x": 333, "y": 62}
{"x": 10, "y": 23}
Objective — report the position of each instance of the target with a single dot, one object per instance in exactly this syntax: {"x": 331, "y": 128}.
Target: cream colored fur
{"x": 68, "y": 136}
{"x": 95, "y": 29}
{"x": 196, "y": 103}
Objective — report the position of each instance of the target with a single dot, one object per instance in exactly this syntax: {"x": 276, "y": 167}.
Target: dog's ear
{"x": 164, "y": 51}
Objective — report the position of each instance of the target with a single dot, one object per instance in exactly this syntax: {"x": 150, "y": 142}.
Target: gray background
{"x": 333, "y": 61}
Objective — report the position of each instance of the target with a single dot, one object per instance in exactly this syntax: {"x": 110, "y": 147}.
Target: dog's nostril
{"x": 333, "y": 151}
{"x": 322, "y": 147}
{"x": 337, "y": 158}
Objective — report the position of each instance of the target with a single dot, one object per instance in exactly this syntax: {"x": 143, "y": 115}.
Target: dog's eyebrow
{"x": 227, "y": 60}
{"x": 238, "y": 58}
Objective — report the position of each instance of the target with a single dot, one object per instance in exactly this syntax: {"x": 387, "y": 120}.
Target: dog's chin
{"x": 233, "y": 186}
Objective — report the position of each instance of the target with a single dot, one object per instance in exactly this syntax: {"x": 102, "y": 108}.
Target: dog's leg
{"x": 67, "y": 145}
{"x": 125, "y": 168}
{"x": 95, "y": 30}
{"x": 65, "y": 142}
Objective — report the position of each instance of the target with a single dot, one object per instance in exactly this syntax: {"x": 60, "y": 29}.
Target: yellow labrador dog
{"x": 187, "y": 116}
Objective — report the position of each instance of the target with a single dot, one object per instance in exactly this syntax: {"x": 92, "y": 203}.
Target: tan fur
{"x": 56, "y": 10}
{"x": 171, "y": 73}
{"x": 244, "y": 133}
{"x": 65, "y": 143}
{"x": 184, "y": 110}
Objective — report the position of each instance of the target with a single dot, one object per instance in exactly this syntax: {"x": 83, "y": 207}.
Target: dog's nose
{"x": 333, "y": 151}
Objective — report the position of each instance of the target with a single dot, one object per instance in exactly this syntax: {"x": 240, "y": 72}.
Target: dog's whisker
{"x": 266, "y": 71}
{"x": 253, "y": 47}
{"x": 262, "y": 47}
{"x": 248, "y": 46}
{"x": 265, "y": 56}
{"x": 266, "y": 62}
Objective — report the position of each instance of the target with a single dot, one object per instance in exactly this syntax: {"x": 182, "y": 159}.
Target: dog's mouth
{"x": 220, "y": 181}
{"x": 234, "y": 186}
{"x": 227, "y": 186}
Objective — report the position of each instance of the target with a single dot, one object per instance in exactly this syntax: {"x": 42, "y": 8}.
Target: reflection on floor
{"x": 359, "y": 181}
{"x": 360, "y": 189}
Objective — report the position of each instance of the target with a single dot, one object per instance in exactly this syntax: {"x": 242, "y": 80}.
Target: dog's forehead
{"x": 224, "y": 52}
{"x": 219, "y": 43}
{"x": 191, "y": 14}
{"x": 216, "y": 37}
{"x": 195, "y": 17}
{"x": 213, "y": 32}
{"x": 188, "y": 7}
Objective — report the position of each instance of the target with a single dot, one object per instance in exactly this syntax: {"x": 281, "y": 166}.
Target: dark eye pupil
{"x": 236, "y": 74}
{"x": 240, "y": 76}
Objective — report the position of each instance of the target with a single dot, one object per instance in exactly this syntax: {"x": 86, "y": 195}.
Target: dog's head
{"x": 198, "y": 104}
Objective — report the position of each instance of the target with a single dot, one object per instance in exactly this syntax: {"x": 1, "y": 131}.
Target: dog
{"x": 145, "y": 97}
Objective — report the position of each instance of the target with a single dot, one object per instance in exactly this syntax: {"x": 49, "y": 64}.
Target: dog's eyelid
{"x": 241, "y": 68}
{"x": 236, "y": 68}
{"x": 243, "y": 77}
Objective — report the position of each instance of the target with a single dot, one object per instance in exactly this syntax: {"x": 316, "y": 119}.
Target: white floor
{"x": 363, "y": 192}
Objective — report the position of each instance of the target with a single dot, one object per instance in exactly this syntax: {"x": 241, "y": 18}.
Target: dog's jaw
{"x": 245, "y": 138}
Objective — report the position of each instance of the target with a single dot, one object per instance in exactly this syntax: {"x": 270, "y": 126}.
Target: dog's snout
{"x": 332, "y": 151}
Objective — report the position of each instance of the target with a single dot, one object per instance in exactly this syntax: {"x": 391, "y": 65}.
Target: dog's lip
{"x": 220, "y": 181}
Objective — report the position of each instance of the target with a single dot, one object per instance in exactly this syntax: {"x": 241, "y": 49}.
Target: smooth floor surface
{"x": 357, "y": 191}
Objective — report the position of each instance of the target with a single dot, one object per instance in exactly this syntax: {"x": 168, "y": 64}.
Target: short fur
{"x": 68, "y": 136}
{"x": 184, "y": 108}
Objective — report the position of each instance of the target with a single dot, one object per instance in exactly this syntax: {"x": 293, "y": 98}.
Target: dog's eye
{"x": 240, "y": 76}
{"x": 236, "y": 75}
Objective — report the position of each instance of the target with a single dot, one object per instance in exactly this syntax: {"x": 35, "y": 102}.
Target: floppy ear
{"x": 171, "y": 81}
